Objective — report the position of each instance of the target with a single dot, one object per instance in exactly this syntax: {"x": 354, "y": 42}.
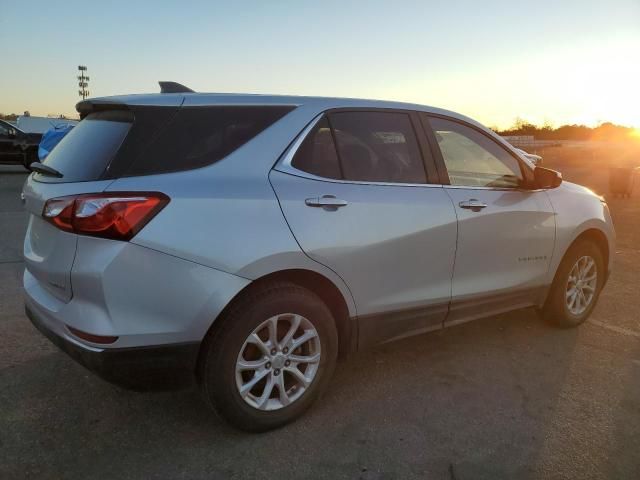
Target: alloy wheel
{"x": 581, "y": 285}
{"x": 278, "y": 362}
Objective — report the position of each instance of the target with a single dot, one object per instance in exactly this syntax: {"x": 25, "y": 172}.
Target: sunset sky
{"x": 562, "y": 62}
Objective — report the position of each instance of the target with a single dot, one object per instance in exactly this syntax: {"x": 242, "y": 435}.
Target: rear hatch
{"x": 81, "y": 157}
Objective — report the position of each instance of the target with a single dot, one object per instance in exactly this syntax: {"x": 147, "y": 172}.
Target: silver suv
{"x": 248, "y": 241}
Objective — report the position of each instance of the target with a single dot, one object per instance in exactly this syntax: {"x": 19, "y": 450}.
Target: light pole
{"x": 83, "y": 82}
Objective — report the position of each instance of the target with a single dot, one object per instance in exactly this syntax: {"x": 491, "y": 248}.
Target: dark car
{"x": 17, "y": 147}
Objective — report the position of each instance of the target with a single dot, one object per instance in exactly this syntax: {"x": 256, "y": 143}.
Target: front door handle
{"x": 325, "y": 201}
{"x": 473, "y": 204}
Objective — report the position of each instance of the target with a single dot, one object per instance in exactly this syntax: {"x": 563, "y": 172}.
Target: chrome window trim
{"x": 284, "y": 164}
{"x": 500, "y": 189}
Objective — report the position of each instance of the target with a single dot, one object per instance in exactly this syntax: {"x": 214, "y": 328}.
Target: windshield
{"x": 6, "y": 127}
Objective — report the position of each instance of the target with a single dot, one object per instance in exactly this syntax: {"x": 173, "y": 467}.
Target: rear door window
{"x": 378, "y": 147}
{"x": 365, "y": 146}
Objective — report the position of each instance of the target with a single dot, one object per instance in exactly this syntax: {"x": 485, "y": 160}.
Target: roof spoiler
{"x": 88, "y": 106}
{"x": 173, "y": 87}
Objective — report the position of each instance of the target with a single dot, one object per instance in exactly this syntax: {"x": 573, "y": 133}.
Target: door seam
{"x": 455, "y": 256}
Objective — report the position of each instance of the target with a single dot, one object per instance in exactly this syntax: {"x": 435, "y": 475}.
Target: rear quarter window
{"x": 200, "y": 136}
{"x": 317, "y": 153}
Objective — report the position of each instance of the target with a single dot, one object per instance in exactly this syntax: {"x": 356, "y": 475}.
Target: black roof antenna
{"x": 173, "y": 87}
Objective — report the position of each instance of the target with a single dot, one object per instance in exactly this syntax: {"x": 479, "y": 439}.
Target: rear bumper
{"x": 163, "y": 367}
{"x": 159, "y": 307}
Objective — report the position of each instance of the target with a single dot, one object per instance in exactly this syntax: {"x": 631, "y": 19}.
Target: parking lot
{"x": 504, "y": 397}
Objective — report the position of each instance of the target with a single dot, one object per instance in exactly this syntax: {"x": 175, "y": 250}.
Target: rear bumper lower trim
{"x": 158, "y": 367}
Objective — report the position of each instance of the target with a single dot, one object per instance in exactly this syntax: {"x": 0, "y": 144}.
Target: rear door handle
{"x": 328, "y": 201}
{"x": 473, "y": 204}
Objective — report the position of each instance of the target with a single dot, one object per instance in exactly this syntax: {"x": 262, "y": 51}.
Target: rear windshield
{"x": 84, "y": 153}
{"x": 152, "y": 140}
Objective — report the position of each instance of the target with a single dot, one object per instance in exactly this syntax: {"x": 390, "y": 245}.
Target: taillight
{"x": 115, "y": 215}
{"x": 59, "y": 211}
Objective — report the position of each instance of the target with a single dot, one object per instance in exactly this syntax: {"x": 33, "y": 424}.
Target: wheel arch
{"x": 596, "y": 236}
{"x": 317, "y": 283}
{"x": 593, "y": 234}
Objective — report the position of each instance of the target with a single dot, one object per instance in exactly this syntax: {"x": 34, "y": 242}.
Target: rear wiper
{"x": 45, "y": 170}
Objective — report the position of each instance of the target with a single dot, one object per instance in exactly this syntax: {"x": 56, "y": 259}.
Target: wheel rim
{"x": 278, "y": 362}
{"x": 581, "y": 285}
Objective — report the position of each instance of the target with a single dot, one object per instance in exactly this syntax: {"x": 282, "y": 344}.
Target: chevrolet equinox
{"x": 247, "y": 241}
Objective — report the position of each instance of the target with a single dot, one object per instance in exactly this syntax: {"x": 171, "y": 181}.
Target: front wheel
{"x": 269, "y": 357}
{"x": 577, "y": 285}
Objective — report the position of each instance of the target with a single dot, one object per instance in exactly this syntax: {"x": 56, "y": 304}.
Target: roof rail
{"x": 173, "y": 87}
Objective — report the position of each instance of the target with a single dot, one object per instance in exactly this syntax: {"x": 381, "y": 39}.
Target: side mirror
{"x": 547, "y": 178}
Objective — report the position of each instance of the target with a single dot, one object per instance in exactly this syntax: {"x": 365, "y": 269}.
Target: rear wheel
{"x": 577, "y": 285}
{"x": 269, "y": 357}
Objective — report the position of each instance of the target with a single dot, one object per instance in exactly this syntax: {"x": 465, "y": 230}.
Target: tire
{"x": 557, "y": 309}
{"x": 228, "y": 343}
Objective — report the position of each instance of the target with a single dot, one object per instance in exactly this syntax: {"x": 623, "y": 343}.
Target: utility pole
{"x": 83, "y": 82}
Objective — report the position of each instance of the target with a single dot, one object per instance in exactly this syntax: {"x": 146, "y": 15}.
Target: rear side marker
{"x": 113, "y": 215}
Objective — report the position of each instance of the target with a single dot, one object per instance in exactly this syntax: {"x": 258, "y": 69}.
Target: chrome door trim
{"x": 498, "y": 189}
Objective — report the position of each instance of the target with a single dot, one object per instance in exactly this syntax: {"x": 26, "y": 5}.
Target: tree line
{"x": 12, "y": 117}
{"x": 604, "y": 131}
